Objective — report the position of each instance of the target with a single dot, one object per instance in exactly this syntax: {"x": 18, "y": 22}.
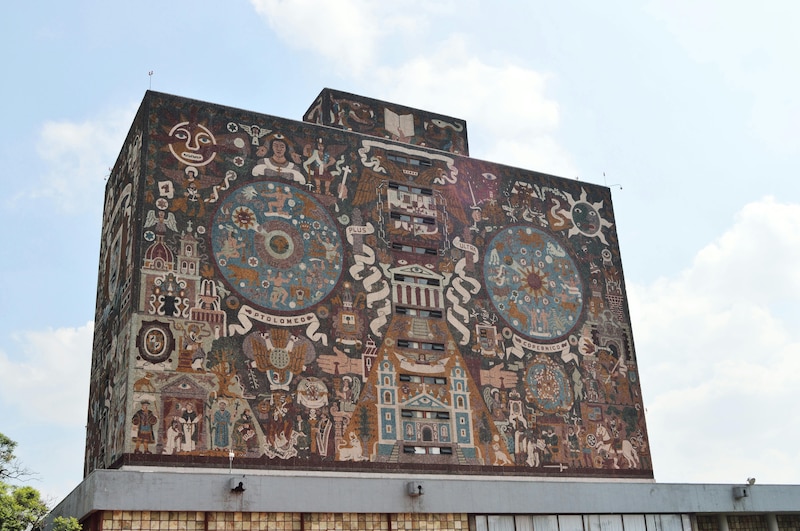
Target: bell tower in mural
{"x": 353, "y": 292}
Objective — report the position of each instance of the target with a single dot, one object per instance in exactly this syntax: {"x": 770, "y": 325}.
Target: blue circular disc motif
{"x": 547, "y": 386}
{"x": 276, "y": 246}
{"x": 533, "y": 283}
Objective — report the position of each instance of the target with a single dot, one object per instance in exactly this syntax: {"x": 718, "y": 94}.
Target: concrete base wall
{"x": 211, "y": 491}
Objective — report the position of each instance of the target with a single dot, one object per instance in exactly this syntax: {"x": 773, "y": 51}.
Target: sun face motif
{"x": 192, "y": 144}
{"x": 586, "y": 218}
{"x": 243, "y": 217}
{"x": 534, "y": 281}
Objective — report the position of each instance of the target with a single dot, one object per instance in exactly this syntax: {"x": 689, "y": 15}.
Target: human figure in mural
{"x": 532, "y": 450}
{"x": 317, "y": 166}
{"x": 245, "y": 439}
{"x": 161, "y": 221}
{"x": 174, "y": 437}
{"x": 276, "y": 201}
{"x": 322, "y": 434}
{"x": 230, "y": 247}
{"x": 551, "y": 441}
{"x": 303, "y": 430}
{"x": 193, "y": 347}
{"x": 496, "y": 404}
{"x": 191, "y": 203}
{"x": 221, "y": 427}
{"x": 189, "y": 422}
{"x": 573, "y": 442}
{"x": 347, "y": 395}
{"x": 143, "y": 425}
{"x": 577, "y": 383}
{"x": 280, "y": 427}
{"x": 278, "y": 160}
{"x": 331, "y": 250}
{"x": 515, "y": 413}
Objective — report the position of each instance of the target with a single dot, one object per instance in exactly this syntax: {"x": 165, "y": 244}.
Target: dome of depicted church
{"x": 159, "y": 256}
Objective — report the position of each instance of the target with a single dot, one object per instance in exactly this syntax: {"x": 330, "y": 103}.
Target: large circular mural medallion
{"x": 277, "y": 247}
{"x": 533, "y": 283}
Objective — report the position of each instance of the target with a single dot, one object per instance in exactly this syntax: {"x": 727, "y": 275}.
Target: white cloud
{"x": 505, "y": 104}
{"x": 347, "y": 33}
{"x": 720, "y": 366}
{"x": 48, "y": 376}
{"x": 78, "y": 157}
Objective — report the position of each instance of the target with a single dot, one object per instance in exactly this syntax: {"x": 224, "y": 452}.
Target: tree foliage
{"x": 66, "y": 524}
{"x": 22, "y": 507}
{"x": 6, "y": 451}
{"x": 10, "y": 467}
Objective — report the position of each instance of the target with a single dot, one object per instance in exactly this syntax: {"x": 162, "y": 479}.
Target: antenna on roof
{"x": 612, "y": 185}
{"x": 150, "y": 73}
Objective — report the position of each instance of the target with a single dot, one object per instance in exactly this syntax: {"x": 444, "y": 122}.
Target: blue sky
{"x": 687, "y": 108}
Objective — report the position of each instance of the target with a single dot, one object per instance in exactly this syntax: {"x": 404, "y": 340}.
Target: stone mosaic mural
{"x": 349, "y": 112}
{"x": 295, "y": 295}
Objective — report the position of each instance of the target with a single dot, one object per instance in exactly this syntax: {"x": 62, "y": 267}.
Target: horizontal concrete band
{"x": 212, "y": 490}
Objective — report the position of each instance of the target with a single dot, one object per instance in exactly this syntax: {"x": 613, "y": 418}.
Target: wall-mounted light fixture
{"x": 237, "y": 484}
{"x": 414, "y": 489}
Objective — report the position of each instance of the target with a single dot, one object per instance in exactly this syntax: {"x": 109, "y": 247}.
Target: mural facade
{"x": 349, "y": 112}
{"x": 316, "y": 297}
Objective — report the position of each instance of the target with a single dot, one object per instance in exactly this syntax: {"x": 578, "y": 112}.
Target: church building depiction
{"x": 348, "y": 323}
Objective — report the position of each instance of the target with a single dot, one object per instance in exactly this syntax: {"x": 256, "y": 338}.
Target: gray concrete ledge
{"x": 210, "y": 490}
